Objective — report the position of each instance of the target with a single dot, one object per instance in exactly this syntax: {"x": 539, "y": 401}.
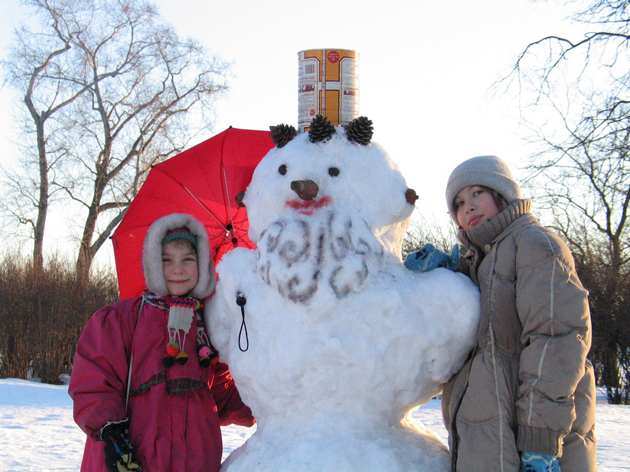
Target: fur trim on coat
{"x": 152, "y": 255}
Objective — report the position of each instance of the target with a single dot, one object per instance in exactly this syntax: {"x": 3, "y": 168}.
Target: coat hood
{"x": 152, "y": 254}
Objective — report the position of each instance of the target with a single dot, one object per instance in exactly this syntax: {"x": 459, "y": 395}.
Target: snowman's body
{"x": 340, "y": 341}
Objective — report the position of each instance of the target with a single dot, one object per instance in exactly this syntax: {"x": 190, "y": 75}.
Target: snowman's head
{"x": 328, "y": 167}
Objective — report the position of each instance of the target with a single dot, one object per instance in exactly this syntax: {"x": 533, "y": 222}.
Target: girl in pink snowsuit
{"x": 178, "y": 394}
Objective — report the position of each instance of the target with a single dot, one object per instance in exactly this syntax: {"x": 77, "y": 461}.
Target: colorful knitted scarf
{"x": 181, "y": 313}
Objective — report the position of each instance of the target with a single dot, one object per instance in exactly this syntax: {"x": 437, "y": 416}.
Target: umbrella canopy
{"x": 203, "y": 182}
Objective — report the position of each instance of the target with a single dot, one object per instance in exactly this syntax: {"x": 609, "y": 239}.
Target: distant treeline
{"x": 42, "y": 315}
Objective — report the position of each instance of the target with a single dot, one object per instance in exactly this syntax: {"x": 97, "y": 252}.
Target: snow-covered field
{"x": 37, "y": 432}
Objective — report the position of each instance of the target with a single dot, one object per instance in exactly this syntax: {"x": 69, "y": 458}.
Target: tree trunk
{"x": 42, "y": 207}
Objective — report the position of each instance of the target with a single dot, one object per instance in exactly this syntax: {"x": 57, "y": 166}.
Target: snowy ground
{"x": 37, "y": 432}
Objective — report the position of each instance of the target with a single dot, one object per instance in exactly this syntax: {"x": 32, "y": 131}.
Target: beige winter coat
{"x": 528, "y": 385}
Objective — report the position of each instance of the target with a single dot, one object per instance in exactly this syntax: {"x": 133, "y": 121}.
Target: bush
{"x": 42, "y": 315}
{"x": 609, "y": 292}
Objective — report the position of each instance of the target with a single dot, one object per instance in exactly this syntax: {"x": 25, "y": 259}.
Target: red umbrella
{"x": 203, "y": 182}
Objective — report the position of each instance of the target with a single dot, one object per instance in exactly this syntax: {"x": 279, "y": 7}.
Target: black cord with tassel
{"x": 241, "y": 301}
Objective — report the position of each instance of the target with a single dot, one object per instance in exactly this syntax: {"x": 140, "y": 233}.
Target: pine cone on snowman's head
{"x": 282, "y": 134}
{"x": 360, "y": 130}
{"x": 321, "y": 129}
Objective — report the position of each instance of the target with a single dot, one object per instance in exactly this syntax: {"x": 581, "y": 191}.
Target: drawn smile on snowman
{"x": 307, "y": 191}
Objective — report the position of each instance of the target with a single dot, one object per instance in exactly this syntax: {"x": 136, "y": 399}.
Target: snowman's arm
{"x": 216, "y": 311}
{"x": 230, "y": 407}
{"x": 221, "y": 311}
{"x": 459, "y": 319}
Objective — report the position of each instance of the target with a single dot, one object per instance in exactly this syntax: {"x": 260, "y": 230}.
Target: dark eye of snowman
{"x": 333, "y": 171}
{"x": 282, "y": 169}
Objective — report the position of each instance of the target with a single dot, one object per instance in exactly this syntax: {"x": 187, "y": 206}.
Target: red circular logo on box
{"x": 333, "y": 56}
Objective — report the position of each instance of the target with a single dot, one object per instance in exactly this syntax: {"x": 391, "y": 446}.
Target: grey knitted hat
{"x": 489, "y": 171}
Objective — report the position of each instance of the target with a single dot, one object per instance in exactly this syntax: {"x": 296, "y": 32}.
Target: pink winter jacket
{"x": 170, "y": 431}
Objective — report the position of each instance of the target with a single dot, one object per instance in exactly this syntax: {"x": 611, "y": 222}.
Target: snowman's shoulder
{"x": 436, "y": 283}
{"x": 238, "y": 259}
{"x": 445, "y": 276}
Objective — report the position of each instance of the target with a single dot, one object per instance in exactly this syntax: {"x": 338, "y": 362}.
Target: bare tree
{"x": 581, "y": 176}
{"x": 108, "y": 89}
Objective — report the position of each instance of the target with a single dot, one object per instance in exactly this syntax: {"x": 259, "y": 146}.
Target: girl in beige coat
{"x": 525, "y": 399}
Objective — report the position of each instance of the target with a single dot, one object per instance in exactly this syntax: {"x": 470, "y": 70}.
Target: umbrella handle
{"x": 241, "y": 301}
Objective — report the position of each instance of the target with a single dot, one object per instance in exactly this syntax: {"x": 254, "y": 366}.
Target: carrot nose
{"x": 305, "y": 189}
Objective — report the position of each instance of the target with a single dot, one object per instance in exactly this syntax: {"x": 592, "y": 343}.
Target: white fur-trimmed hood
{"x": 152, "y": 254}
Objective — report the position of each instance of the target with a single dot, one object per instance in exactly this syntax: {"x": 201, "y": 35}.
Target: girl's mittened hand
{"x": 118, "y": 455}
{"x": 534, "y": 462}
{"x": 429, "y": 258}
{"x": 127, "y": 464}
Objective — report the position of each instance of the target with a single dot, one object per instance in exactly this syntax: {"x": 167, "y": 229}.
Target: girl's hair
{"x": 499, "y": 201}
{"x": 183, "y": 242}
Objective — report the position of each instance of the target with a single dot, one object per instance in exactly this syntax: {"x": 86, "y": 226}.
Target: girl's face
{"x": 474, "y": 205}
{"x": 179, "y": 266}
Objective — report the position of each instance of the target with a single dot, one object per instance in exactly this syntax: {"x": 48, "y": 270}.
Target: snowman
{"x": 330, "y": 339}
